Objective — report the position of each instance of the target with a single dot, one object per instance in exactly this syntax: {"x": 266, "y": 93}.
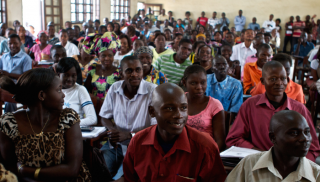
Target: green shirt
{"x": 172, "y": 70}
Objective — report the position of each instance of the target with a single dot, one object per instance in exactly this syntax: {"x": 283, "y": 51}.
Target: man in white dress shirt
{"x": 126, "y": 103}
{"x": 71, "y": 48}
{"x": 269, "y": 25}
{"x": 245, "y": 49}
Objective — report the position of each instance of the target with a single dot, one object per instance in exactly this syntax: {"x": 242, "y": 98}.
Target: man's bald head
{"x": 270, "y": 65}
{"x": 284, "y": 118}
{"x": 165, "y": 90}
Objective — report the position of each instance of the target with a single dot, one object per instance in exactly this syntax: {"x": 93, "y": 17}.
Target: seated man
{"x": 225, "y": 88}
{"x": 252, "y": 71}
{"x": 250, "y": 127}
{"x": 57, "y": 52}
{"x": 13, "y": 64}
{"x": 125, "y": 112}
{"x": 285, "y": 161}
{"x": 173, "y": 65}
{"x": 171, "y": 150}
{"x": 303, "y": 47}
{"x": 4, "y": 47}
{"x": 293, "y": 90}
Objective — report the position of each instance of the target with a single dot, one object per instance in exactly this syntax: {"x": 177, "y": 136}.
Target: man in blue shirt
{"x": 14, "y": 63}
{"x": 4, "y": 47}
{"x": 254, "y": 25}
{"x": 223, "y": 87}
{"x": 223, "y": 22}
{"x": 239, "y": 21}
{"x": 303, "y": 47}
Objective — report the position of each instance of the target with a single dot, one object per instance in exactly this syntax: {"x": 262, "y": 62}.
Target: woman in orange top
{"x": 293, "y": 90}
{"x": 252, "y": 72}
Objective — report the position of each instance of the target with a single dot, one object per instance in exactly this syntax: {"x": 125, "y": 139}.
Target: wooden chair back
{"x": 97, "y": 103}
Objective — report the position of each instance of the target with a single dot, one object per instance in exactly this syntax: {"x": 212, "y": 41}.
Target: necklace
{"x": 41, "y": 133}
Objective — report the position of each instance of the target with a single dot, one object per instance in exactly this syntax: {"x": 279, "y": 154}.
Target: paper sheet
{"x": 238, "y": 152}
{"x": 94, "y": 133}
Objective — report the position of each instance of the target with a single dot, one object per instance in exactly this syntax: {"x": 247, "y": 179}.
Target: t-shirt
{"x": 170, "y": 68}
{"x": 203, "y": 21}
{"x": 297, "y": 32}
{"x": 117, "y": 58}
{"x": 78, "y": 99}
{"x": 213, "y": 22}
{"x": 39, "y": 54}
{"x": 203, "y": 120}
{"x": 289, "y": 30}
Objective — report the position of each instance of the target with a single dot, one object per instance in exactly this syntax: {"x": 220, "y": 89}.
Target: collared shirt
{"x": 71, "y": 49}
{"x": 313, "y": 53}
{"x": 130, "y": 115}
{"x": 53, "y": 41}
{"x": 170, "y": 68}
{"x": 240, "y": 52}
{"x": 293, "y": 90}
{"x": 4, "y": 47}
{"x": 17, "y": 64}
{"x": 304, "y": 50}
{"x": 224, "y": 23}
{"x": 250, "y": 129}
{"x": 260, "y": 167}
{"x": 251, "y": 75}
{"x": 239, "y": 23}
{"x": 156, "y": 77}
{"x": 213, "y": 22}
{"x": 229, "y": 92}
{"x": 163, "y": 28}
{"x": 297, "y": 32}
{"x": 254, "y": 26}
{"x": 156, "y": 55}
{"x": 162, "y": 17}
{"x": 193, "y": 157}
{"x": 271, "y": 23}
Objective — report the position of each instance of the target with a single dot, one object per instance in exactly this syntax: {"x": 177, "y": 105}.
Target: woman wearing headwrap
{"x": 150, "y": 74}
{"x": 102, "y": 76}
{"x": 41, "y": 51}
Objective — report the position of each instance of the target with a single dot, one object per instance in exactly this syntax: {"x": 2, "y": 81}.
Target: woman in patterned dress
{"x": 44, "y": 142}
{"x": 102, "y": 76}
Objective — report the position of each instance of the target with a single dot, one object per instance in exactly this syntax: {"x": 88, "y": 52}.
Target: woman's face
{"x": 205, "y": 53}
{"x": 116, "y": 27}
{"x": 196, "y": 84}
{"x": 54, "y": 99}
{"x": 110, "y": 28}
{"x": 177, "y": 40}
{"x": 201, "y": 30}
{"x": 106, "y": 58}
{"x": 136, "y": 44}
{"x": 68, "y": 78}
{"x": 43, "y": 38}
{"x": 124, "y": 45}
{"x": 146, "y": 60}
{"x": 218, "y": 37}
{"x": 226, "y": 52}
{"x": 160, "y": 41}
{"x": 63, "y": 37}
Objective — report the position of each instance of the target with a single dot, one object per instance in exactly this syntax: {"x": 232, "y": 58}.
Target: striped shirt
{"x": 172, "y": 70}
{"x": 297, "y": 32}
{"x": 130, "y": 115}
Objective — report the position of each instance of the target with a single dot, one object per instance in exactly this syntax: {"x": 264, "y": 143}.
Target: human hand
{"x": 2, "y": 72}
{"x": 313, "y": 86}
{"x": 314, "y": 16}
{"x": 118, "y": 136}
{"x": 299, "y": 41}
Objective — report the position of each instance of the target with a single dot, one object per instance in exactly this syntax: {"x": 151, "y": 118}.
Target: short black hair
{"x": 195, "y": 45}
{"x": 127, "y": 59}
{"x": 278, "y": 19}
{"x": 230, "y": 33}
{"x": 194, "y": 31}
{"x": 167, "y": 30}
{"x": 55, "y": 47}
{"x": 182, "y": 41}
{"x": 101, "y": 27}
{"x": 14, "y": 36}
{"x": 217, "y": 32}
{"x": 64, "y": 31}
{"x": 202, "y": 46}
{"x": 193, "y": 69}
{"x": 159, "y": 34}
{"x": 267, "y": 34}
{"x": 65, "y": 64}
{"x": 282, "y": 57}
{"x": 111, "y": 24}
{"x": 243, "y": 31}
{"x": 76, "y": 26}
{"x": 188, "y": 12}
{"x": 263, "y": 46}
{"x": 226, "y": 45}
{"x": 97, "y": 21}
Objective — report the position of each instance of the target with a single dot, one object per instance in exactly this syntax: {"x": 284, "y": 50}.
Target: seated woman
{"x": 64, "y": 41}
{"x": 150, "y": 74}
{"x": 193, "y": 56}
{"x": 85, "y": 60}
{"x": 117, "y": 29}
{"x": 205, "y": 58}
{"x": 175, "y": 44}
{"x": 102, "y": 76}
{"x": 125, "y": 50}
{"x": 234, "y": 69}
{"x": 131, "y": 32}
{"x": 218, "y": 42}
{"x": 43, "y": 143}
{"x": 76, "y": 96}
{"x": 27, "y": 41}
{"x": 41, "y": 51}
{"x": 110, "y": 27}
{"x": 160, "y": 42}
{"x": 206, "y": 114}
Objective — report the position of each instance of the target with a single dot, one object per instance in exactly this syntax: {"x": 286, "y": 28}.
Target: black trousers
{"x": 294, "y": 41}
{"x": 287, "y": 39}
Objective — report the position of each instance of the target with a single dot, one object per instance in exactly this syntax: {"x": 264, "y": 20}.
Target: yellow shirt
{"x": 156, "y": 55}
{"x": 259, "y": 167}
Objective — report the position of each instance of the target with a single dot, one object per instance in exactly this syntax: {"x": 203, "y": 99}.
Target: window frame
{"x": 5, "y": 12}
{"x": 94, "y": 10}
{"x": 113, "y": 13}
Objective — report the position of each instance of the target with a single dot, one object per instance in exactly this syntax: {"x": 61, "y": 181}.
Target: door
{"x": 52, "y": 12}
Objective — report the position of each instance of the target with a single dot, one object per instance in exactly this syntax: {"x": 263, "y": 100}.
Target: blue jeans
{"x": 114, "y": 158}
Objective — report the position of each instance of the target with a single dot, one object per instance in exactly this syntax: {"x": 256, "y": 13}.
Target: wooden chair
{"x": 305, "y": 69}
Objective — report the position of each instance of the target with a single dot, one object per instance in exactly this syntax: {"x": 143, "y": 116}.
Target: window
{"x": 52, "y": 13}
{"x": 3, "y": 11}
{"x": 156, "y": 8}
{"x": 84, "y": 10}
{"x": 120, "y": 9}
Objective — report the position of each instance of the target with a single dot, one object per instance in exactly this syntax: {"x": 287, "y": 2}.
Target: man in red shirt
{"x": 202, "y": 20}
{"x": 172, "y": 151}
{"x": 298, "y": 27}
{"x": 250, "y": 129}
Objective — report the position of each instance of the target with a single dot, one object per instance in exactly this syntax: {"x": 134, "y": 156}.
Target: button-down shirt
{"x": 240, "y": 52}
{"x": 304, "y": 50}
{"x": 229, "y": 92}
{"x": 251, "y": 75}
{"x": 53, "y": 41}
{"x": 71, "y": 49}
{"x": 259, "y": 167}
{"x": 213, "y": 22}
{"x": 223, "y": 23}
{"x": 254, "y": 26}
{"x": 239, "y": 23}
{"x": 163, "y": 28}
{"x": 268, "y": 22}
{"x": 17, "y": 64}
{"x": 4, "y": 47}
{"x": 250, "y": 129}
{"x": 162, "y": 17}
{"x": 130, "y": 115}
{"x": 193, "y": 157}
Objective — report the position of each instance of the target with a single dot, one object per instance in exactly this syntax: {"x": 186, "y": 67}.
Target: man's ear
{"x": 151, "y": 111}
{"x": 41, "y": 95}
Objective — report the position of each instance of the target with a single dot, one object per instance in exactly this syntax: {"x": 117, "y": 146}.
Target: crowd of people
{"x": 170, "y": 90}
